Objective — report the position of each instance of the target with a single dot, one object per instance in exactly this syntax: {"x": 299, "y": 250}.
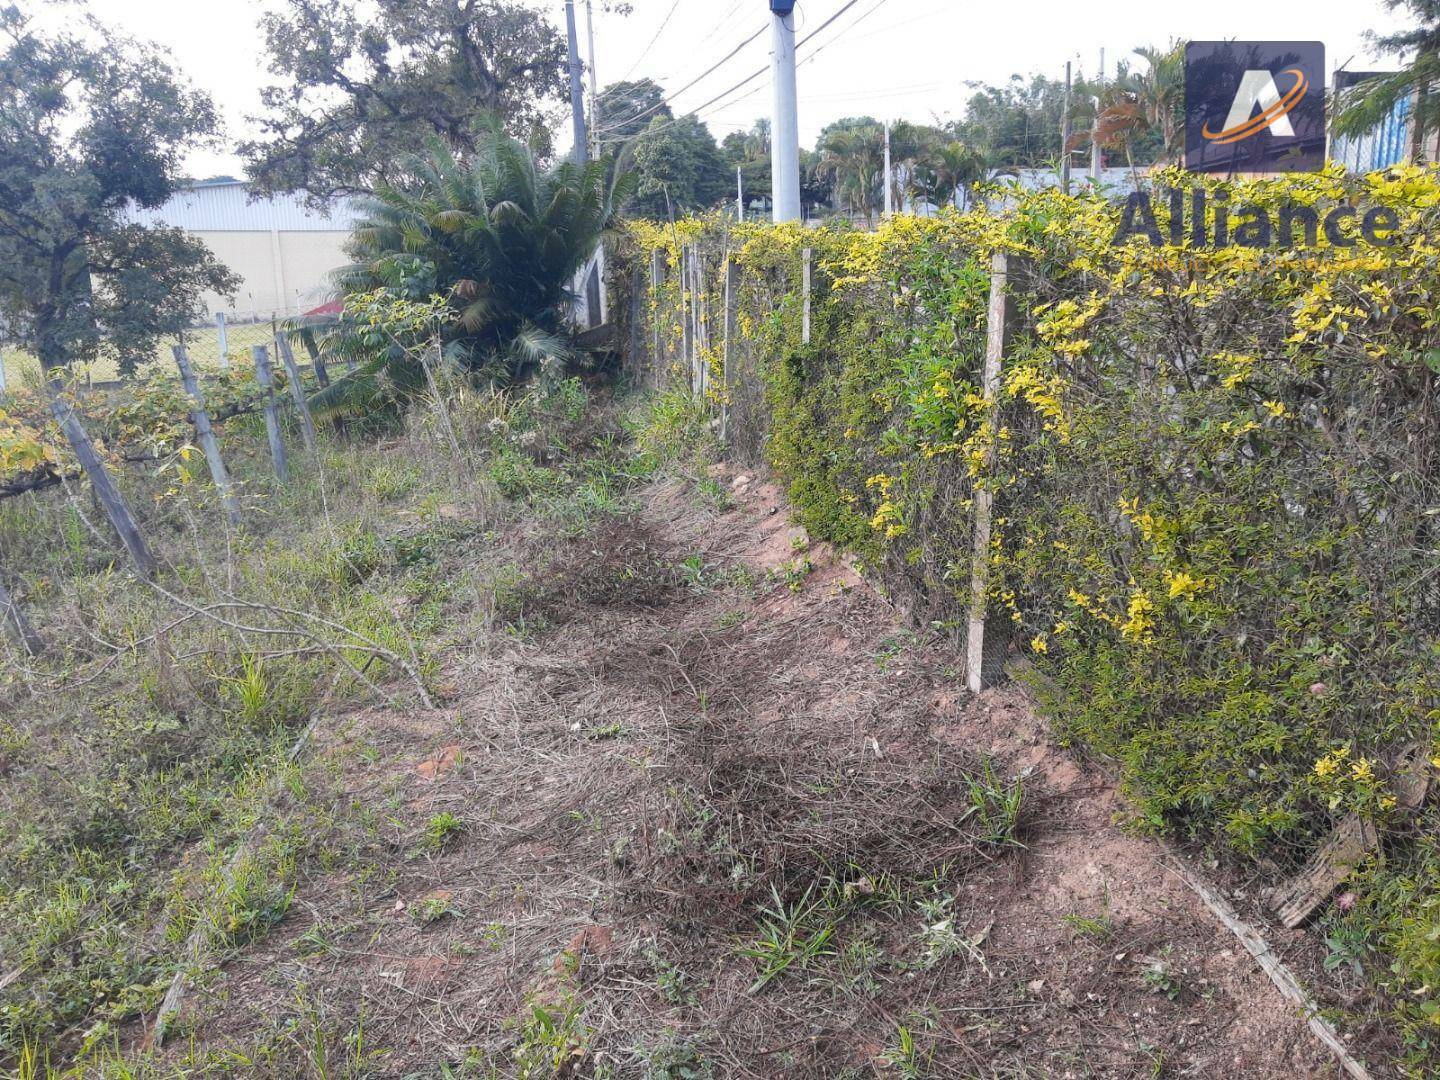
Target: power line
{"x": 708, "y": 71}
{"x": 663, "y": 24}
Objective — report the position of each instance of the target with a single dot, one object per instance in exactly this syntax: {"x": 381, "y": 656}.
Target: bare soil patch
{"x": 716, "y": 812}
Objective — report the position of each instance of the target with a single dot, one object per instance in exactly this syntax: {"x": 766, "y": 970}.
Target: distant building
{"x": 283, "y": 250}
{"x": 1386, "y": 144}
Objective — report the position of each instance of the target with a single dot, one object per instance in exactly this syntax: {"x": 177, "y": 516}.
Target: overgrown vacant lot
{"x": 691, "y": 799}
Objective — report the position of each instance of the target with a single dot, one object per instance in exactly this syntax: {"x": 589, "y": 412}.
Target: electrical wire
{"x": 663, "y": 24}
{"x": 708, "y": 71}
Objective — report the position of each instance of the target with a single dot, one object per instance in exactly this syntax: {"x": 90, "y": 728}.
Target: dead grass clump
{"x": 790, "y": 818}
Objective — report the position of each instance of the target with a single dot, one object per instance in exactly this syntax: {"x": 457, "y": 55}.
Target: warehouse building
{"x": 283, "y": 250}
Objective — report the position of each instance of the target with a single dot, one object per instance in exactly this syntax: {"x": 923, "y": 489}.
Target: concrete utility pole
{"x": 594, "y": 84}
{"x": 1065, "y": 135}
{"x": 889, "y": 175}
{"x": 577, "y": 91}
{"x": 785, "y": 133}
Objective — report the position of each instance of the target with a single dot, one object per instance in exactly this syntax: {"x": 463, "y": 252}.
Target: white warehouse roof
{"x": 227, "y": 207}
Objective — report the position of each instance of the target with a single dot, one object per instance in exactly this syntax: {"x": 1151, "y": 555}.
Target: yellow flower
{"x": 1276, "y": 409}
{"x": 1184, "y": 584}
{"x": 1039, "y": 644}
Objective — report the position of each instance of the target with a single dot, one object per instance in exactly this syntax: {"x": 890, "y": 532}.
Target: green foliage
{"x": 678, "y": 168}
{"x": 360, "y": 88}
{"x": 94, "y": 123}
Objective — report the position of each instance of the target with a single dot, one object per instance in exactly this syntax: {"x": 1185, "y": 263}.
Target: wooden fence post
{"x": 206, "y": 434}
{"x": 809, "y": 256}
{"x": 985, "y": 644}
{"x": 2, "y": 371}
{"x": 102, "y": 483}
{"x": 732, "y": 291}
{"x": 272, "y": 421}
{"x": 19, "y": 626}
{"x": 297, "y": 391}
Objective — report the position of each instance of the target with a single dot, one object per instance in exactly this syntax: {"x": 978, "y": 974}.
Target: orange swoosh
{"x": 1261, "y": 121}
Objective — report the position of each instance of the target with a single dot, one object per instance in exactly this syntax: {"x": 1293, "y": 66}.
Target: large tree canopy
{"x": 678, "y": 166}
{"x": 91, "y": 126}
{"x": 362, "y": 86}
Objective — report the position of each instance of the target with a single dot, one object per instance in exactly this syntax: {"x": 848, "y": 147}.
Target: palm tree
{"x": 1149, "y": 101}
{"x": 1372, "y": 100}
{"x": 947, "y": 172}
{"x": 498, "y": 237}
{"x": 852, "y": 158}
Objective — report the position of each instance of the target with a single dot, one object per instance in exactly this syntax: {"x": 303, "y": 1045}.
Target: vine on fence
{"x": 1217, "y": 483}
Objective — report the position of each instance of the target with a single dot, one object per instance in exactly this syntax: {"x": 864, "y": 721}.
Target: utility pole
{"x": 889, "y": 175}
{"x": 1065, "y": 135}
{"x": 594, "y": 83}
{"x": 1097, "y": 160}
{"x": 739, "y": 207}
{"x": 577, "y": 92}
{"x": 785, "y": 133}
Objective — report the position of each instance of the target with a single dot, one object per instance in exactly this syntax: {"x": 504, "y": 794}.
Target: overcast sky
{"x": 889, "y": 58}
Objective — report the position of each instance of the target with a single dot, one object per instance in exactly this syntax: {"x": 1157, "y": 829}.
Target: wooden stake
{"x": 272, "y": 419}
{"x": 985, "y": 658}
{"x": 206, "y": 435}
{"x": 317, "y": 361}
{"x": 297, "y": 391}
{"x": 19, "y": 626}
{"x": 108, "y": 495}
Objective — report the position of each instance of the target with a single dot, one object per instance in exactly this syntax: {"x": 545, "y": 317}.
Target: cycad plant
{"x": 498, "y": 237}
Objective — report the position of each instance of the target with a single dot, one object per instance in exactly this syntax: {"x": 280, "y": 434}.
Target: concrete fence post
{"x": 806, "y": 284}
{"x": 15, "y": 622}
{"x": 732, "y": 295}
{"x": 223, "y": 338}
{"x": 102, "y": 483}
{"x": 297, "y": 391}
{"x": 987, "y": 640}
{"x": 206, "y": 434}
{"x": 657, "y": 282}
{"x": 272, "y": 420}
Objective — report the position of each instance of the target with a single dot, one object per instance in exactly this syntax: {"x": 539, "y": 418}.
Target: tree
{"x": 947, "y": 173}
{"x": 1016, "y": 125}
{"x": 497, "y": 237}
{"x": 627, "y": 108}
{"x": 363, "y": 86}
{"x": 1370, "y": 101}
{"x": 852, "y": 156}
{"x": 749, "y": 151}
{"x": 678, "y": 167}
{"x": 92, "y": 127}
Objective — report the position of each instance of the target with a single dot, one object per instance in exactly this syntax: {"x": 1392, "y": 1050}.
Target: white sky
{"x": 888, "y": 58}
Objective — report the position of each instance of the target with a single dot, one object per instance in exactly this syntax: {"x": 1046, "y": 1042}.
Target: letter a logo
{"x": 1249, "y": 106}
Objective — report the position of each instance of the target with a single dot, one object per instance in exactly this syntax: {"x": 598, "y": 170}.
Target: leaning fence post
{"x": 19, "y": 626}
{"x": 223, "y": 337}
{"x": 317, "y": 361}
{"x": 297, "y": 391}
{"x": 206, "y": 434}
{"x": 272, "y": 420}
{"x": 808, "y": 255}
{"x": 985, "y": 650}
{"x": 102, "y": 483}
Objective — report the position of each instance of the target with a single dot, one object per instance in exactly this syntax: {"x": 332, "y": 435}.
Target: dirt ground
{"x": 680, "y": 727}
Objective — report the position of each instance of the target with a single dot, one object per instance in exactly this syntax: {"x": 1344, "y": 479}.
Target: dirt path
{"x": 680, "y": 728}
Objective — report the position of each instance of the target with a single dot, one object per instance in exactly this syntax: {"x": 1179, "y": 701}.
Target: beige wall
{"x": 281, "y": 272}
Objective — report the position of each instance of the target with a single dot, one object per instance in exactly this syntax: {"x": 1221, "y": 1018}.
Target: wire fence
{"x": 225, "y": 341}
